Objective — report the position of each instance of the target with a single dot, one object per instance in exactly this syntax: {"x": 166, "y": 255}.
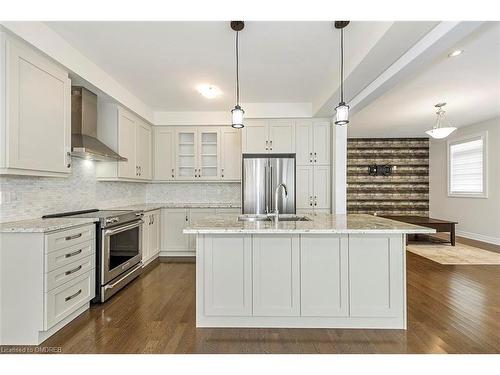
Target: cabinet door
{"x": 228, "y": 290}
{"x": 195, "y": 214}
{"x": 304, "y": 142}
{"x": 186, "y": 153}
{"x": 208, "y": 158}
{"x": 321, "y": 184}
{"x": 281, "y": 136}
{"x": 276, "y": 279}
{"x": 321, "y": 147}
{"x": 39, "y": 112}
{"x": 376, "y": 275}
{"x": 146, "y": 229}
{"x": 256, "y": 136}
{"x": 324, "y": 275}
{"x": 126, "y": 144}
{"x": 173, "y": 222}
{"x": 143, "y": 150}
{"x": 304, "y": 187}
{"x": 164, "y": 162}
{"x": 154, "y": 233}
{"x": 230, "y": 154}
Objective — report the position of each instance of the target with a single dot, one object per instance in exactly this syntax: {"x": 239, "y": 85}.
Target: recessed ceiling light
{"x": 456, "y": 53}
{"x": 208, "y": 91}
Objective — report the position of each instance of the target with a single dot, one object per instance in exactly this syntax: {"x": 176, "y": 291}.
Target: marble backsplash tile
{"x": 25, "y": 197}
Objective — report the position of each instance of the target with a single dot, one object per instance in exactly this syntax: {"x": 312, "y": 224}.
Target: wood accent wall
{"x": 405, "y": 192}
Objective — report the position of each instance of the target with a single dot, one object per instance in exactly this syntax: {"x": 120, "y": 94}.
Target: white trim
{"x": 478, "y": 237}
{"x": 469, "y": 137}
{"x": 187, "y": 254}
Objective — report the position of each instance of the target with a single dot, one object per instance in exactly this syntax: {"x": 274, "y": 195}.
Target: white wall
{"x": 478, "y": 218}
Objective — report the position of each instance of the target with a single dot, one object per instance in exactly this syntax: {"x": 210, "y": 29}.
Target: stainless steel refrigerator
{"x": 262, "y": 173}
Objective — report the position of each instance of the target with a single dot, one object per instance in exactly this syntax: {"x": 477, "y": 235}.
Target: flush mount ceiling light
{"x": 342, "y": 110}
{"x": 439, "y": 131}
{"x": 237, "y": 112}
{"x": 456, "y": 53}
{"x": 208, "y": 91}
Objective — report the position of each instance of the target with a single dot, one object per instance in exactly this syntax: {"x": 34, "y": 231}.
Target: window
{"x": 467, "y": 166}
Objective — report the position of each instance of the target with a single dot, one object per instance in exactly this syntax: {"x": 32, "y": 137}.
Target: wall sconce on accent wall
{"x": 380, "y": 170}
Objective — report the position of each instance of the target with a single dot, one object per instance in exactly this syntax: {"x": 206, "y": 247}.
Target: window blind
{"x": 466, "y": 167}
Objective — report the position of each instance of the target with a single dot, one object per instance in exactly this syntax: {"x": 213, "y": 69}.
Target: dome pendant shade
{"x": 237, "y": 117}
{"x": 438, "y": 132}
{"x": 342, "y": 114}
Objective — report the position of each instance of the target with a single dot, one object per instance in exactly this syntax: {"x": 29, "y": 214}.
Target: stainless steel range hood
{"x": 84, "y": 142}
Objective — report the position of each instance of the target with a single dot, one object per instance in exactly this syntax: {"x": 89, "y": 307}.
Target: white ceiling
{"x": 469, "y": 83}
{"x": 163, "y": 62}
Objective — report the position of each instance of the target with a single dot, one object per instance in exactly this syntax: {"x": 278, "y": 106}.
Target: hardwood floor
{"x": 451, "y": 309}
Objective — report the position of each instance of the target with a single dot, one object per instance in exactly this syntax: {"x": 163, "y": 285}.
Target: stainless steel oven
{"x": 121, "y": 249}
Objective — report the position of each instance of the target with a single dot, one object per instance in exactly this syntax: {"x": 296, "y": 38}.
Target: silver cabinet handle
{"x": 315, "y": 158}
{"x": 73, "y": 253}
{"x": 172, "y": 172}
{"x": 310, "y": 201}
{"x": 186, "y": 217}
{"x": 267, "y": 145}
{"x": 73, "y": 237}
{"x": 73, "y": 270}
{"x": 222, "y": 172}
{"x": 72, "y": 296}
{"x": 271, "y": 145}
{"x": 310, "y": 157}
{"x": 315, "y": 200}
{"x": 68, "y": 162}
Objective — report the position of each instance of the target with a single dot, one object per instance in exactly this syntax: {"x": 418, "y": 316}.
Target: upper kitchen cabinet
{"x": 210, "y": 153}
{"x": 35, "y": 95}
{"x": 164, "y": 153}
{"x": 230, "y": 154}
{"x": 269, "y": 136}
{"x": 131, "y": 137}
{"x": 313, "y": 142}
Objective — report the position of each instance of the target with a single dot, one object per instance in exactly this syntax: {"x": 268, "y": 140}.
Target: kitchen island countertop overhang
{"x": 333, "y": 271}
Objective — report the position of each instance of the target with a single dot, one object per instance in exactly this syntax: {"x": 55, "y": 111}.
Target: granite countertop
{"x": 43, "y": 225}
{"x": 154, "y": 206}
{"x": 321, "y": 223}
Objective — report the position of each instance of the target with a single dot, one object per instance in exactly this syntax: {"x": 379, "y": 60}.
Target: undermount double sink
{"x": 282, "y": 217}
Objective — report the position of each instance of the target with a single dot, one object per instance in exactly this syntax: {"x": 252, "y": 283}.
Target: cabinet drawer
{"x": 69, "y": 272}
{"x": 67, "y": 238}
{"x": 65, "y": 299}
{"x": 63, "y": 257}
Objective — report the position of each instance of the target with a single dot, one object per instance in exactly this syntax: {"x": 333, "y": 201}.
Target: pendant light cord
{"x": 237, "y": 72}
{"x": 342, "y": 65}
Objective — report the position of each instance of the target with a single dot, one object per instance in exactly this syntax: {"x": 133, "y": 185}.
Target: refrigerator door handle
{"x": 266, "y": 187}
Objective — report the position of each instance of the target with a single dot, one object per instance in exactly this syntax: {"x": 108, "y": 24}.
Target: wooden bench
{"x": 437, "y": 224}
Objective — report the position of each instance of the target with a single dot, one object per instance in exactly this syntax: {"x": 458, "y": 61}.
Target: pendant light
{"x": 342, "y": 110}
{"x": 237, "y": 112}
{"x": 439, "y": 132}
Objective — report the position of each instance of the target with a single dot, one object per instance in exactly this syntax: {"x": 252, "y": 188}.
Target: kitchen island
{"x": 331, "y": 271}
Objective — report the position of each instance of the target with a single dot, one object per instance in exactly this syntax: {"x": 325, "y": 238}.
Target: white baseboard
{"x": 177, "y": 253}
{"x": 478, "y": 237}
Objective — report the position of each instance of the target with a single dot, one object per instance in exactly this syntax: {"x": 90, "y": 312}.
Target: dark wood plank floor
{"x": 451, "y": 309}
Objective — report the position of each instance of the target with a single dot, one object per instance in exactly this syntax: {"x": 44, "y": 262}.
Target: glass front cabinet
{"x": 198, "y": 154}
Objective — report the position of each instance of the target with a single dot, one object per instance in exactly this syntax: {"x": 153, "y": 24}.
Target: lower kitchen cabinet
{"x": 276, "y": 275}
{"x": 323, "y": 266}
{"x": 46, "y": 281}
{"x": 151, "y": 236}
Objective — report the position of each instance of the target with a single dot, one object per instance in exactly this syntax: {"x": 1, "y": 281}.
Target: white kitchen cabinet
{"x": 323, "y": 267}
{"x": 164, "y": 153}
{"x": 228, "y": 290}
{"x": 313, "y": 188}
{"x": 131, "y": 137}
{"x": 173, "y": 222}
{"x": 276, "y": 275}
{"x": 376, "y": 275}
{"x": 313, "y": 142}
{"x": 47, "y": 280}
{"x": 269, "y": 136}
{"x": 151, "y": 236}
{"x": 35, "y": 93}
{"x": 143, "y": 141}
{"x": 230, "y": 154}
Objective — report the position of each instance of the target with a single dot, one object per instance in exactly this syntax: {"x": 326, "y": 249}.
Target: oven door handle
{"x": 110, "y": 232}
